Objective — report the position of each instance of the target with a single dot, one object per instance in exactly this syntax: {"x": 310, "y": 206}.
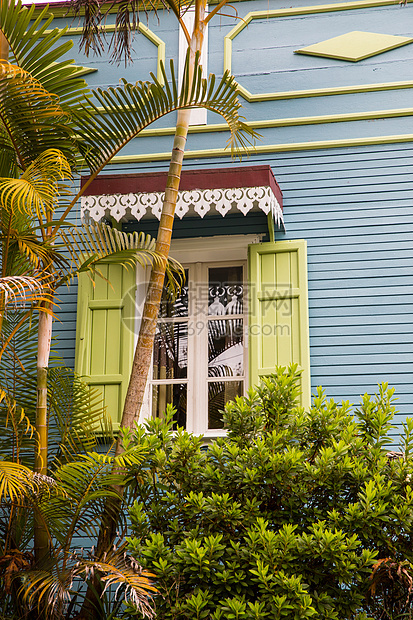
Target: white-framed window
{"x": 204, "y": 340}
{"x": 200, "y": 355}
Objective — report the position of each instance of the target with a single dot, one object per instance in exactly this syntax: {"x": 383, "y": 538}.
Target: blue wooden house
{"x": 302, "y": 252}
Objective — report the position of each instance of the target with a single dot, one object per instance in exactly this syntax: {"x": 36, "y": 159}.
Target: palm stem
{"x": 15, "y": 329}
{"x": 144, "y": 347}
{"x": 41, "y": 537}
{"x": 4, "y": 47}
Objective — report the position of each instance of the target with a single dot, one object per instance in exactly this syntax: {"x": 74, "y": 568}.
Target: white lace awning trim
{"x": 189, "y": 203}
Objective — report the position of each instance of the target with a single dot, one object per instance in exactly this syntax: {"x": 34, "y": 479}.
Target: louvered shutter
{"x": 105, "y": 333}
{"x": 278, "y": 330}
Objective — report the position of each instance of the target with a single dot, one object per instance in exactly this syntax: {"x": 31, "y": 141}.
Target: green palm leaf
{"x": 131, "y": 107}
{"x": 37, "y": 190}
{"x": 18, "y": 481}
{"x": 127, "y": 19}
{"x": 18, "y": 437}
{"x": 8, "y": 163}
{"x": 78, "y": 416}
{"x": 32, "y": 119}
{"x": 22, "y": 290}
{"x": 38, "y": 53}
{"x": 90, "y": 244}
{"x": 77, "y": 508}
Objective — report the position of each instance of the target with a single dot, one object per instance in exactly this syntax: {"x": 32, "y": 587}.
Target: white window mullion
{"x": 142, "y": 281}
{"x": 191, "y": 394}
{"x": 199, "y": 371}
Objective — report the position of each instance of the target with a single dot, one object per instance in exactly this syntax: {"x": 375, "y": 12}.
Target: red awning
{"x": 201, "y": 192}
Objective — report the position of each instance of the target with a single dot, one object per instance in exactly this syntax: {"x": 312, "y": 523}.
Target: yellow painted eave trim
{"x": 291, "y": 12}
{"x": 288, "y": 122}
{"x": 267, "y": 149}
{"x": 323, "y": 92}
{"x": 147, "y": 32}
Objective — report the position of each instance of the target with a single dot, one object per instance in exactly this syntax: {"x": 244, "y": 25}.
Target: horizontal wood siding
{"x": 354, "y": 207}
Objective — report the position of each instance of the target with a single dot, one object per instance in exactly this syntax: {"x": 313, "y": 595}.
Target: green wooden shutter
{"x": 105, "y": 333}
{"x": 278, "y": 330}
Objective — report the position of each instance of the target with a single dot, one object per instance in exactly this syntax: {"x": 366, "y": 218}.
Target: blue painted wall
{"x": 353, "y": 204}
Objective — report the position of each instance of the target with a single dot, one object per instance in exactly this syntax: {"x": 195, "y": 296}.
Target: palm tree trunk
{"x": 41, "y": 538}
{"x": 143, "y": 353}
{"x": 43, "y": 353}
{"x": 4, "y": 47}
{"x": 144, "y": 348}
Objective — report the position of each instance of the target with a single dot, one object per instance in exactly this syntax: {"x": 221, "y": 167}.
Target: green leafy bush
{"x": 292, "y": 515}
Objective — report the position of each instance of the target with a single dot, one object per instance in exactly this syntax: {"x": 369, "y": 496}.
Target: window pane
{"x": 175, "y": 308}
{"x": 225, "y": 348}
{"x": 175, "y": 395}
{"x": 170, "y": 355}
{"x": 225, "y": 290}
{"x": 220, "y": 393}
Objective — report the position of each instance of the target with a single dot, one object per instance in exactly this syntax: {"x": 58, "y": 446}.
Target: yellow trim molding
{"x": 355, "y": 46}
{"x": 147, "y": 32}
{"x": 307, "y": 10}
{"x": 288, "y": 122}
{"x": 323, "y": 92}
{"x": 267, "y": 149}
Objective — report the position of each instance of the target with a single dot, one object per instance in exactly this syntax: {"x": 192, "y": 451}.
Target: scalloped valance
{"x": 202, "y": 193}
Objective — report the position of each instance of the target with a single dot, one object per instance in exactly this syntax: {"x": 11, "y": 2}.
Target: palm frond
{"x": 50, "y": 591}
{"x": 121, "y": 570}
{"x": 26, "y": 253}
{"x": 94, "y": 14}
{"x": 46, "y": 591}
{"x": 35, "y": 251}
{"x": 38, "y": 52}
{"x": 84, "y": 486}
{"x": 18, "y": 380}
{"x": 91, "y": 472}
{"x": 32, "y": 118}
{"x": 8, "y": 163}
{"x": 128, "y": 14}
{"x": 90, "y": 244}
{"x": 130, "y": 108}
{"x": 18, "y": 481}
{"x": 22, "y": 290}
{"x": 21, "y": 356}
{"x": 18, "y": 431}
{"x": 37, "y": 190}
{"x": 11, "y": 223}
{"x": 77, "y": 416}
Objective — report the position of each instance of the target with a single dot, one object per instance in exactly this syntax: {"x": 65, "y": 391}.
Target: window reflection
{"x": 225, "y": 348}
{"x": 220, "y": 393}
{"x": 225, "y": 290}
{"x": 176, "y": 394}
{"x": 178, "y": 307}
{"x": 170, "y": 357}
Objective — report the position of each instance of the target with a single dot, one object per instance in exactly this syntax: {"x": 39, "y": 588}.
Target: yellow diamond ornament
{"x": 355, "y": 46}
